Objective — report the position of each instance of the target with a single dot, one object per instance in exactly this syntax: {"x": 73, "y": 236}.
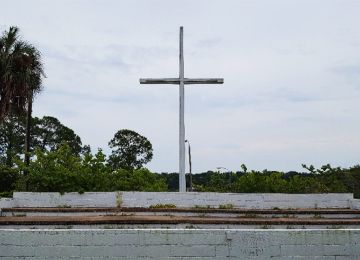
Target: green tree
{"x": 63, "y": 171}
{"x": 219, "y": 182}
{"x": 49, "y": 133}
{"x": 136, "y": 180}
{"x": 244, "y": 168}
{"x": 8, "y": 178}
{"x": 130, "y": 150}
{"x": 12, "y": 136}
{"x": 54, "y": 170}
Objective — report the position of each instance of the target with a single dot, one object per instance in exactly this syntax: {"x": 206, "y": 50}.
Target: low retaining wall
{"x": 355, "y": 204}
{"x": 188, "y": 199}
{"x": 180, "y": 244}
{"x": 6, "y": 203}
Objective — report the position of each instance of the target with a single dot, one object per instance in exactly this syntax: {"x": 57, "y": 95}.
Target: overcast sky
{"x": 291, "y": 68}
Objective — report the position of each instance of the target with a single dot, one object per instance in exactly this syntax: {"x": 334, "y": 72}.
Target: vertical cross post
{"x": 182, "y": 179}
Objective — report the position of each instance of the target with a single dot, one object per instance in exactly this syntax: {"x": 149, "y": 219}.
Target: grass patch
{"x": 318, "y": 215}
{"x": 251, "y": 215}
{"x": 226, "y": 206}
{"x": 63, "y": 206}
{"x": 163, "y": 206}
{"x": 264, "y": 227}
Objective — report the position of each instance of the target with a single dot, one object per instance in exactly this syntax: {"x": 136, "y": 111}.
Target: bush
{"x": 63, "y": 171}
{"x": 8, "y": 178}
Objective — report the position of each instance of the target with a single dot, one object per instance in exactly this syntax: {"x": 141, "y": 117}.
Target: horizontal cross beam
{"x": 176, "y": 81}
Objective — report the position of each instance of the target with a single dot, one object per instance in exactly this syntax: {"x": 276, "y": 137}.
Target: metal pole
{"x": 182, "y": 180}
{"x": 190, "y": 171}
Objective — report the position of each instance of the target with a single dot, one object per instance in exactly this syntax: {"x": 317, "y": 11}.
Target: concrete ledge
{"x": 189, "y": 199}
{"x": 180, "y": 244}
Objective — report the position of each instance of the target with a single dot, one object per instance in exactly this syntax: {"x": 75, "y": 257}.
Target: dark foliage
{"x": 47, "y": 134}
{"x": 8, "y": 178}
{"x": 130, "y": 150}
{"x": 63, "y": 171}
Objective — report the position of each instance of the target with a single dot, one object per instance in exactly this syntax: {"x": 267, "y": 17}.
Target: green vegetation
{"x": 130, "y": 150}
{"x": 163, "y": 206}
{"x": 226, "y": 206}
{"x": 323, "y": 180}
{"x": 21, "y": 75}
{"x": 318, "y": 215}
{"x": 265, "y": 227}
{"x": 62, "y": 169}
{"x": 47, "y": 134}
{"x": 65, "y": 206}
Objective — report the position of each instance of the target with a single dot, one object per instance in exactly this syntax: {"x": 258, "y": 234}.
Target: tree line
{"x": 60, "y": 162}
{"x": 324, "y": 180}
{"x": 62, "y": 170}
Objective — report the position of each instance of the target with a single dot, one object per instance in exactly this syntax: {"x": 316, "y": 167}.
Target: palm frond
{"x": 21, "y": 71}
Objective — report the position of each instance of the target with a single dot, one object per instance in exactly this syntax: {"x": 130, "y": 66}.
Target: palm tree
{"x": 21, "y": 73}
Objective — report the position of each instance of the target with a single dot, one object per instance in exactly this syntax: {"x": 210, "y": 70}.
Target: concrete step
{"x": 173, "y": 220}
{"x": 190, "y": 212}
{"x": 64, "y": 217}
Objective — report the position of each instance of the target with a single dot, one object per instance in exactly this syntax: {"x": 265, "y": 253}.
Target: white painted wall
{"x": 188, "y": 199}
{"x": 355, "y": 203}
{"x": 180, "y": 244}
{"x": 6, "y": 203}
{"x": 55, "y": 199}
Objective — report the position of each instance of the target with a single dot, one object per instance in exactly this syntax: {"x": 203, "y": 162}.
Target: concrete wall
{"x": 355, "y": 203}
{"x": 180, "y": 244}
{"x": 73, "y": 199}
{"x": 240, "y": 200}
{"x": 189, "y": 199}
{"x": 6, "y": 203}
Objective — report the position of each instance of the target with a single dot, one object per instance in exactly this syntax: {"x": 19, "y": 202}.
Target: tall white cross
{"x": 181, "y": 81}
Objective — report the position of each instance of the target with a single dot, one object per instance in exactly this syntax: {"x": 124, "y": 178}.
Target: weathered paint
{"x": 189, "y": 199}
{"x": 180, "y": 244}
